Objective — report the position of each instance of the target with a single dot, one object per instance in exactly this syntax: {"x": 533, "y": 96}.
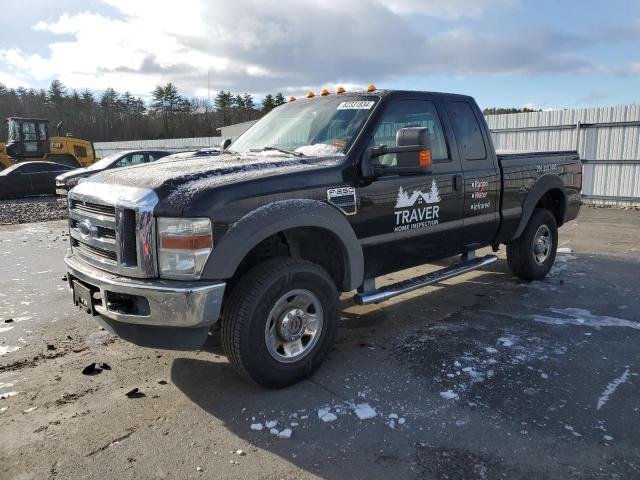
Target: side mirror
{"x": 413, "y": 153}
{"x": 226, "y": 143}
{"x": 418, "y": 139}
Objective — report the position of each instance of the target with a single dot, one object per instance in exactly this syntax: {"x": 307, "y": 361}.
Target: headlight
{"x": 59, "y": 183}
{"x": 184, "y": 244}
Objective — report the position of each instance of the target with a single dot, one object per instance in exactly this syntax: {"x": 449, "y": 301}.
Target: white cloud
{"x": 448, "y": 9}
{"x": 288, "y": 45}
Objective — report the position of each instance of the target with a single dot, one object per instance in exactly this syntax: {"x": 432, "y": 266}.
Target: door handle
{"x": 457, "y": 182}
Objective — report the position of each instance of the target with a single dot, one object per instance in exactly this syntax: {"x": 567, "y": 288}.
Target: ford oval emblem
{"x": 87, "y": 229}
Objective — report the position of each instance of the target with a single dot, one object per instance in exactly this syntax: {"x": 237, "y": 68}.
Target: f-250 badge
{"x": 343, "y": 198}
{"x": 414, "y": 210}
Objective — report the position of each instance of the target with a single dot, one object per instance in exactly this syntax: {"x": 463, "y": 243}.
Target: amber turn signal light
{"x": 192, "y": 242}
{"x": 425, "y": 158}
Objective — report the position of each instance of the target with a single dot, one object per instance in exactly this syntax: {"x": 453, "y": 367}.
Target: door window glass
{"x": 30, "y": 136}
{"x": 131, "y": 159}
{"x": 79, "y": 151}
{"x": 467, "y": 130}
{"x": 411, "y": 113}
{"x": 153, "y": 156}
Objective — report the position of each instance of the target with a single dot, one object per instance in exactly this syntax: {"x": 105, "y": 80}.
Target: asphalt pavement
{"x": 482, "y": 376}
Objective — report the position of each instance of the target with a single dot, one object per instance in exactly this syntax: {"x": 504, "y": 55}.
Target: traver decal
{"x": 413, "y": 211}
{"x": 356, "y": 105}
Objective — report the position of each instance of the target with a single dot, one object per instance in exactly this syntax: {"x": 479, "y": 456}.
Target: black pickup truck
{"x": 321, "y": 196}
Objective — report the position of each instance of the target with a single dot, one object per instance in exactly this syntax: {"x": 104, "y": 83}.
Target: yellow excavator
{"x": 29, "y": 139}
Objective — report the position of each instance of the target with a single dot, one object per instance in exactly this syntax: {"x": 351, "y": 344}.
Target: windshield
{"x": 106, "y": 161}
{"x": 309, "y": 127}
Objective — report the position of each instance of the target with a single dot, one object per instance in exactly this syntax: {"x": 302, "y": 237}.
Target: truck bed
{"x": 522, "y": 171}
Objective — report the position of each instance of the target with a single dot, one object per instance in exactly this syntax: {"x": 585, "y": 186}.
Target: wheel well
{"x": 314, "y": 244}
{"x": 555, "y": 202}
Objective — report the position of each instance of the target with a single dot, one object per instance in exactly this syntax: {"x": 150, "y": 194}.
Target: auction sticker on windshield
{"x": 356, "y": 105}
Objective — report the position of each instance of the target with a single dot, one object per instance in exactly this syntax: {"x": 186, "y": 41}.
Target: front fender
{"x": 270, "y": 219}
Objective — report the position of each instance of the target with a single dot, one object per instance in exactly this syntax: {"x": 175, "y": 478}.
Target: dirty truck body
{"x": 319, "y": 197}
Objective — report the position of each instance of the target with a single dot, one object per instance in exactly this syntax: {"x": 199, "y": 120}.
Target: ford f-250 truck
{"x": 320, "y": 196}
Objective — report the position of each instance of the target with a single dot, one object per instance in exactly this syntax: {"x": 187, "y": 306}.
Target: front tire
{"x": 531, "y": 256}
{"x": 280, "y": 321}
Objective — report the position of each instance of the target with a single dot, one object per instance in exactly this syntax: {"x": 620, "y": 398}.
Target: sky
{"x": 546, "y": 54}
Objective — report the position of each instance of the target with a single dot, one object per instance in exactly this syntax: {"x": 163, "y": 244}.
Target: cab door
{"x": 408, "y": 220}
{"x": 481, "y": 174}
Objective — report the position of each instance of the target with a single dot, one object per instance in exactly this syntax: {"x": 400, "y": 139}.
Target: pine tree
{"x": 279, "y": 99}
{"x": 268, "y": 103}
{"x": 403, "y": 198}
{"x": 434, "y": 195}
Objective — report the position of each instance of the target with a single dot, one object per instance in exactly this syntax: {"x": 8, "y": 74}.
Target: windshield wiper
{"x": 277, "y": 149}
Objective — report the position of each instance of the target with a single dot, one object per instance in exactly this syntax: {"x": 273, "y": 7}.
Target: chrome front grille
{"x": 112, "y": 228}
{"x": 93, "y": 209}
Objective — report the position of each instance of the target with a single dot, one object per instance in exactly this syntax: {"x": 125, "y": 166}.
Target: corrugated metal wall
{"x": 172, "y": 144}
{"x": 608, "y": 143}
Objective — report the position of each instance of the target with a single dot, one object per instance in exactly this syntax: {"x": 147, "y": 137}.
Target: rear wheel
{"x": 280, "y": 321}
{"x": 531, "y": 256}
{"x": 69, "y": 160}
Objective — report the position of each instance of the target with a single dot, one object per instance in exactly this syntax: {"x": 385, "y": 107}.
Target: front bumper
{"x": 171, "y": 308}
{"x": 62, "y": 191}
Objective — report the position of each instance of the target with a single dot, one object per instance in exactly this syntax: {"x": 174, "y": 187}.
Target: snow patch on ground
{"x": 364, "y": 411}
{"x": 582, "y": 317}
{"x": 610, "y": 388}
{"x": 4, "y": 349}
{"x": 449, "y": 395}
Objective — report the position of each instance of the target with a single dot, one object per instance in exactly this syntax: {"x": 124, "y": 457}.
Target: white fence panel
{"x": 172, "y": 144}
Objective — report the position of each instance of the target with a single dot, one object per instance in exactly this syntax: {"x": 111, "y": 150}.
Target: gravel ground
{"x": 480, "y": 377}
{"x": 35, "y": 209}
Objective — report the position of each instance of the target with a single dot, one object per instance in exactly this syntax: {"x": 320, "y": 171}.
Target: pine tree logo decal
{"x": 417, "y": 209}
{"x": 405, "y": 200}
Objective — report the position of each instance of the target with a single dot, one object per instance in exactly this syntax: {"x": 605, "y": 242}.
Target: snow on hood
{"x": 320, "y": 150}
{"x": 178, "y": 181}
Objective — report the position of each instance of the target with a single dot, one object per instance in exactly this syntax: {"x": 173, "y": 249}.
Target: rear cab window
{"x": 467, "y": 131}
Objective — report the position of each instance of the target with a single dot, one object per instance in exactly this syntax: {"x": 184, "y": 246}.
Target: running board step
{"x": 390, "y": 291}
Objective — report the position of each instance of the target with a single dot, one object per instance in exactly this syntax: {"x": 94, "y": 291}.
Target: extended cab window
{"x": 411, "y": 113}
{"x": 467, "y": 131}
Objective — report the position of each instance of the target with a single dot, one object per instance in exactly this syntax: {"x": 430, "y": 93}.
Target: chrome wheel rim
{"x": 294, "y": 325}
{"x": 542, "y": 244}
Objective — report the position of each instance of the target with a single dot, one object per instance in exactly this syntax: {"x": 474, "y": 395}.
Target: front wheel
{"x": 531, "y": 256}
{"x": 280, "y": 321}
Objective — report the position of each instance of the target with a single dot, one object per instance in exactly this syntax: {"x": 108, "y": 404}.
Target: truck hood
{"x": 177, "y": 182}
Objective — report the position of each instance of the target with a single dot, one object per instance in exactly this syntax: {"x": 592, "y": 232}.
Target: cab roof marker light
{"x": 324, "y": 92}
{"x": 310, "y": 94}
{"x": 292, "y": 98}
{"x": 340, "y": 90}
{"x": 371, "y": 88}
